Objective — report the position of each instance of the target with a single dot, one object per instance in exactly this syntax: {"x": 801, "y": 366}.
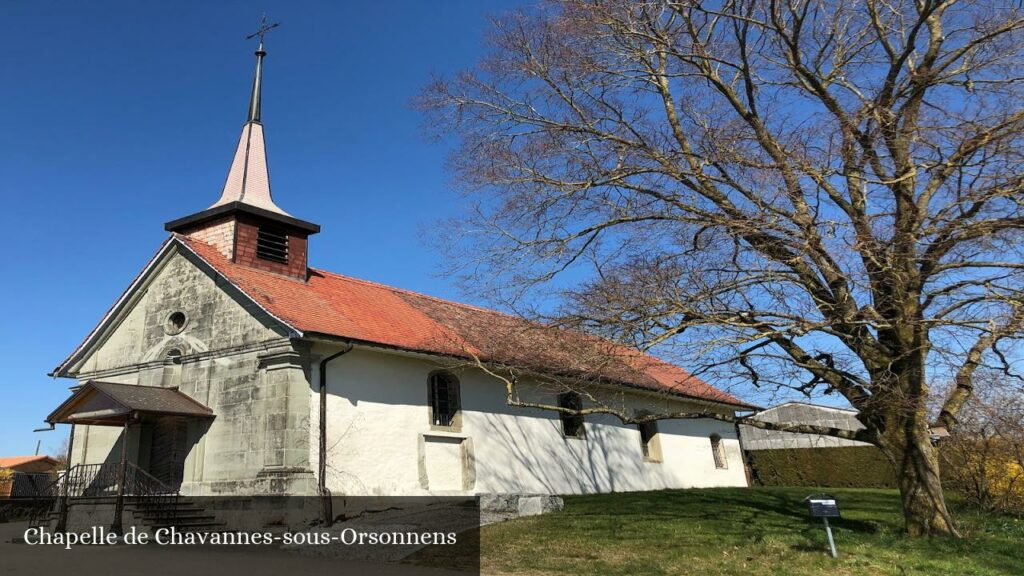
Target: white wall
{"x": 380, "y": 439}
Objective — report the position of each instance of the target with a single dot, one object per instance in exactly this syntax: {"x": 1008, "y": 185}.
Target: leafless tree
{"x": 810, "y": 194}
{"x": 62, "y": 456}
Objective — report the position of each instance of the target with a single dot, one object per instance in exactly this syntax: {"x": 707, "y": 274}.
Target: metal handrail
{"x": 102, "y": 480}
{"x": 160, "y": 499}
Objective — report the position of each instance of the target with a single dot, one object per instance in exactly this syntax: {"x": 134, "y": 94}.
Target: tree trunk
{"x": 917, "y": 467}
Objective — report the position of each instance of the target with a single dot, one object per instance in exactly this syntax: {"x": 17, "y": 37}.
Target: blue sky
{"x": 116, "y": 117}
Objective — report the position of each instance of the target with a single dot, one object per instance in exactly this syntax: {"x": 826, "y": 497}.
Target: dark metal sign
{"x": 825, "y": 506}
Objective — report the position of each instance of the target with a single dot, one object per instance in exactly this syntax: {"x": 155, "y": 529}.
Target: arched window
{"x": 444, "y": 399}
{"x": 171, "y": 377}
{"x": 718, "y": 451}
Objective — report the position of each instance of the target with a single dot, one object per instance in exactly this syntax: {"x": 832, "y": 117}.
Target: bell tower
{"x": 245, "y": 224}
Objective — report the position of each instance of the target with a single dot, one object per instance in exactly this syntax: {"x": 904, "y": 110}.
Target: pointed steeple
{"x": 249, "y": 177}
{"x": 257, "y": 82}
{"x": 245, "y": 224}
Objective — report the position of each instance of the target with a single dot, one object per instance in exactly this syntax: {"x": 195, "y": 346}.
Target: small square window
{"x": 650, "y": 445}
{"x": 718, "y": 452}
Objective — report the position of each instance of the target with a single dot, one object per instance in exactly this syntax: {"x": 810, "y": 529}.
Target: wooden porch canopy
{"x": 110, "y": 404}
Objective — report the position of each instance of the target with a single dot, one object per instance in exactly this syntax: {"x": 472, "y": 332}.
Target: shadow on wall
{"x": 514, "y": 449}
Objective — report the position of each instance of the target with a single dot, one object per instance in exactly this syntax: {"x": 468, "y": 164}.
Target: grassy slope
{"x": 738, "y": 531}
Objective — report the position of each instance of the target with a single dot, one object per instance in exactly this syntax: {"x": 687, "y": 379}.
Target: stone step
{"x": 177, "y": 518}
{"x": 208, "y": 526}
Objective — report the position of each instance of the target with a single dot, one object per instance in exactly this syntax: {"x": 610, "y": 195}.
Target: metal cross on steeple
{"x": 264, "y": 28}
{"x": 257, "y": 82}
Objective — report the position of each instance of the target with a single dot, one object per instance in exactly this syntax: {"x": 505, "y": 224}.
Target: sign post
{"x": 824, "y": 506}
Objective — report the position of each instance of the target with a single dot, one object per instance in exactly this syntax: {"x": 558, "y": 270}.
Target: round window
{"x": 175, "y": 323}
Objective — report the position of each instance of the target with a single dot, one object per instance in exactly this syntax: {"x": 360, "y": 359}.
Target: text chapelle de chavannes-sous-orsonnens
{"x": 99, "y": 536}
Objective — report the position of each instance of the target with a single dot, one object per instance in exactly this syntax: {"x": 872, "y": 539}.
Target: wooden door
{"x": 168, "y": 450}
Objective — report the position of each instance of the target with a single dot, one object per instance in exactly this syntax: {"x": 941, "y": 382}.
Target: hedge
{"x": 848, "y": 467}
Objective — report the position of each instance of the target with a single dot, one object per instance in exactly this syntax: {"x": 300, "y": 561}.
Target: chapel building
{"x": 230, "y": 366}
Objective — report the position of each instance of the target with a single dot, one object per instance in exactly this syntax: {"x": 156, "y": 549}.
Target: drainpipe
{"x": 325, "y": 493}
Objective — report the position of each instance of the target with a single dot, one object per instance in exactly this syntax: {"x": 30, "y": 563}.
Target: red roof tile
{"x": 354, "y": 309}
{"x": 14, "y": 461}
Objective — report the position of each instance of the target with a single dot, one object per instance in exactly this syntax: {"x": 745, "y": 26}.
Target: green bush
{"x": 849, "y": 467}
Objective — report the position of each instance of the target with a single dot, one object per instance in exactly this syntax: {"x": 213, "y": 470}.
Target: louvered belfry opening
{"x": 272, "y": 244}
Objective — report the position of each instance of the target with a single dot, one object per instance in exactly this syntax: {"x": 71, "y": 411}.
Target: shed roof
{"x": 109, "y": 403}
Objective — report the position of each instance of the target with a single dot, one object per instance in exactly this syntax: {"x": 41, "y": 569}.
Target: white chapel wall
{"x": 380, "y": 440}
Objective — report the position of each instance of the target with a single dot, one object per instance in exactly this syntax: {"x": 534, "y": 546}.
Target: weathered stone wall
{"x": 229, "y": 355}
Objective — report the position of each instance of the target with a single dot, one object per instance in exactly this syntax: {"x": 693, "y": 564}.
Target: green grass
{"x": 742, "y": 531}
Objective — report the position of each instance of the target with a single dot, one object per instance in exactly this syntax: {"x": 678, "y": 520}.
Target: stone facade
{"x": 229, "y": 355}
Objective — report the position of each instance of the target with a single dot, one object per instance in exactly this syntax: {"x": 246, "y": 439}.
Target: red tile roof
{"x": 353, "y": 309}
{"x": 14, "y": 461}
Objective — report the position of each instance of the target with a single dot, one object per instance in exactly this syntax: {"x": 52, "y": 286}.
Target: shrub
{"x": 846, "y": 467}
{"x": 983, "y": 459}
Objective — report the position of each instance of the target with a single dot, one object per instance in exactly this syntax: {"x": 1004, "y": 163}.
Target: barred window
{"x": 444, "y": 398}
{"x": 572, "y": 424}
{"x": 718, "y": 451}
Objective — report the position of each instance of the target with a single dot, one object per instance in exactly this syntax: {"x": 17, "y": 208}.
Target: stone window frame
{"x": 172, "y": 327}
{"x": 455, "y": 424}
{"x": 650, "y": 446}
{"x": 718, "y": 452}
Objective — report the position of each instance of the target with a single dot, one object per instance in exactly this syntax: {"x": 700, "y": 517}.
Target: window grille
{"x": 444, "y": 399}
{"x": 272, "y": 245}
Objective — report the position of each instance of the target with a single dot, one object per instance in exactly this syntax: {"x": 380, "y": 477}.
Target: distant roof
{"x": 810, "y": 405}
{"x": 12, "y": 461}
{"x": 803, "y": 413}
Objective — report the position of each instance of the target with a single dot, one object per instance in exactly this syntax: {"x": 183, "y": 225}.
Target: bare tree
{"x": 62, "y": 456}
{"x": 817, "y": 195}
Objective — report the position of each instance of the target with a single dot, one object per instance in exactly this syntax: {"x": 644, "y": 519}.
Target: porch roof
{"x": 111, "y": 404}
